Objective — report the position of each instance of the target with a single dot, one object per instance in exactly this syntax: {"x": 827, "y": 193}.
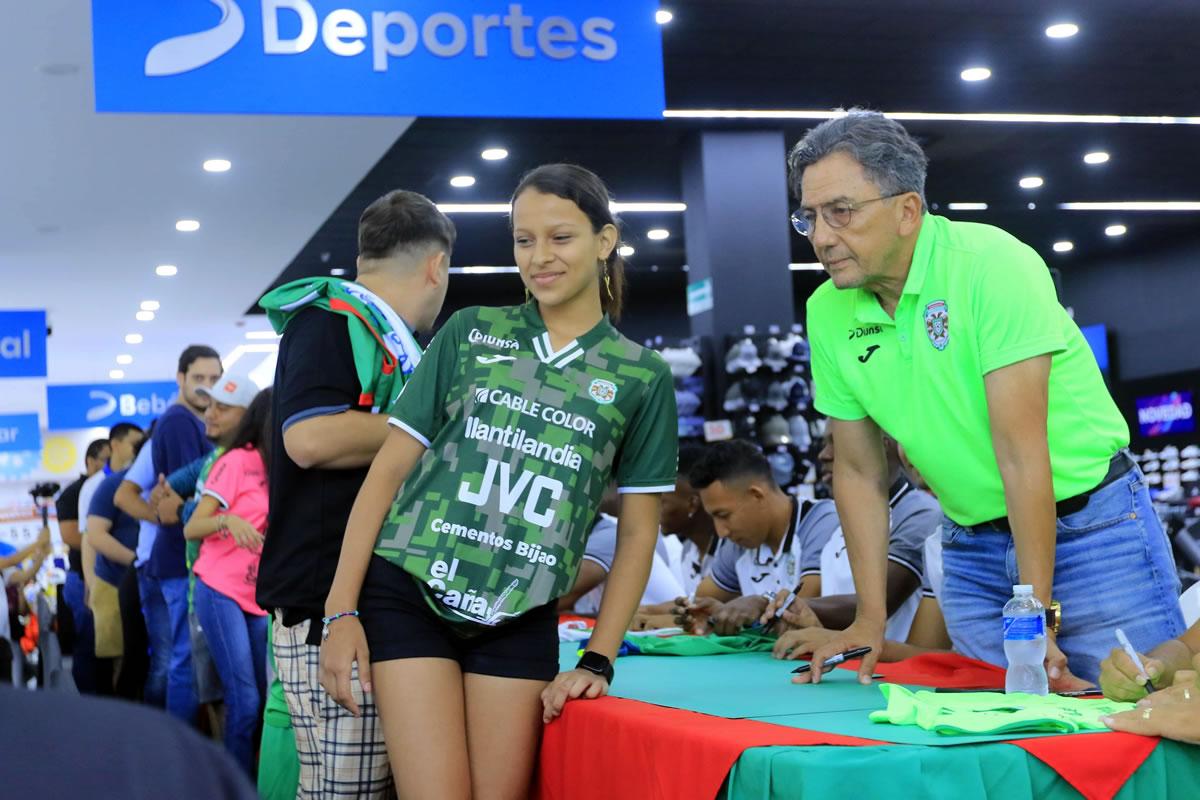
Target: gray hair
{"x": 891, "y": 158}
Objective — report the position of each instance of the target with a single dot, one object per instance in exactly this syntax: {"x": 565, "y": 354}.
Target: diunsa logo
{"x": 392, "y": 34}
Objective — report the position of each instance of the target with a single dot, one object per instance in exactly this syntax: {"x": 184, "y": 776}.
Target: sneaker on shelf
{"x": 1191, "y": 451}
{"x": 1154, "y": 479}
{"x": 1170, "y": 465}
{"x": 683, "y": 361}
{"x": 783, "y": 466}
{"x": 1191, "y": 476}
{"x": 686, "y": 402}
{"x": 1190, "y": 463}
{"x": 1170, "y": 451}
{"x": 776, "y": 358}
{"x": 734, "y": 401}
{"x": 775, "y": 431}
{"x": 801, "y": 435}
{"x": 1151, "y": 466}
{"x": 799, "y": 393}
{"x": 799, "y": 353}
{"x": 777, "y": 396}
{"x": 747, "y": 356}
{"x": 752, "y": 390}
{"x": 733, "y": 358}
{"x": 1149, "y": 455}
{"x": 691, "y": 427}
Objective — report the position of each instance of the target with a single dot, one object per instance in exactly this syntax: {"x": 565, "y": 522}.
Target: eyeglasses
{"x": 836, "y": 214}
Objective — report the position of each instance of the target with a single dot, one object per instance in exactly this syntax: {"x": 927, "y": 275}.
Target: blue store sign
{"x": 22, "y": 344}
{"x": 19, "y": 432}
{"x": 450, "y": 58}
{"x": 101, "y": 405}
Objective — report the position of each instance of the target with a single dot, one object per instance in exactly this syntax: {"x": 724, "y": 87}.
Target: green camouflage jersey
{"x": 522, "y": 442}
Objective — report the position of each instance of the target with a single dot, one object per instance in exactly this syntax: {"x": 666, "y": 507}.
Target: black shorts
{"x": 400, "y": 624}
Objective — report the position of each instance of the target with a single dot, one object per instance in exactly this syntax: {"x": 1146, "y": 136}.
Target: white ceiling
{"x": 88, "y": 204}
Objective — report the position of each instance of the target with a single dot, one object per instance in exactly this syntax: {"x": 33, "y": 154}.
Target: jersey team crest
{"x": 603, "y": 392}
{"x": 937, "y": 324}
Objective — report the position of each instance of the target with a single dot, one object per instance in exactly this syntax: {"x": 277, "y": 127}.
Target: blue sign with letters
{"x": 449, "y": 58}
{"x": 19, "y": 432}
{"x": 102, "y": 405}
{"x": 22, "y": 344}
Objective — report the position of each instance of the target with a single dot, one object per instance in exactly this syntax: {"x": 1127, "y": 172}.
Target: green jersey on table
{"x": 522, "y": 442}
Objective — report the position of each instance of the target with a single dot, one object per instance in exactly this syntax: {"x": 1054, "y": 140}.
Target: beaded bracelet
{"x": 326, "y": 621}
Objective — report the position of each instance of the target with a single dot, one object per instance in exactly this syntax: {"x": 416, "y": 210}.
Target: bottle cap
{"x": 1023, "y": 588}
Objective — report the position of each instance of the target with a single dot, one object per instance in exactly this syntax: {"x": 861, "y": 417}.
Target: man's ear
{"x": 756, "y": 491}
{"x": 437, "y": 267}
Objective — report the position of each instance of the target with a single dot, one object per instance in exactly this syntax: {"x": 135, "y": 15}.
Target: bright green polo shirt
{"x": 976, "y": 300}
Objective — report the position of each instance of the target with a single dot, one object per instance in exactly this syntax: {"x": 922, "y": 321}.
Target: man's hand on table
{"x": 739, "y": 614}
{"x": 1059, "y": 675}
{"x": 798, "y": 615}
{"x": 695, "y": 615}
{"x": 862, "y": 633}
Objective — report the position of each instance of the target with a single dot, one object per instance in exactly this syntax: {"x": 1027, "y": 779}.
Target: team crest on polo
{"x": 603, "y": 392}
{"x": 937, "y": 324}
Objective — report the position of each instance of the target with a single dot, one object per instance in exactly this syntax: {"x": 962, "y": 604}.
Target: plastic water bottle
{"x": 1025, "y": 643}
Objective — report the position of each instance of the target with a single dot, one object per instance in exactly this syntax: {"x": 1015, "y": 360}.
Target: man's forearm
{"x": 863, "y": 510}
{"x": 129, "y": 499}
{"x": 1174, "y": 655}
{"x": 837, "y": 611}
{"x": 1029, "y": 496}
{"x": 348, "y": 440}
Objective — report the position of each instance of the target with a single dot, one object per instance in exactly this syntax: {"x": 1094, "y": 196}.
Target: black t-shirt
{"x": 66, "y": 507}
{"x": 315, "y": 376}
{"x": 117, "y": 750}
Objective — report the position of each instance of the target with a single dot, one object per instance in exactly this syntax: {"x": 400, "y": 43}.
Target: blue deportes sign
{"x": 450, "y": 58}
{"x": 1166, "y": 413}
{"x": 19, "y": 432}
{"x": 101, "y": 405}
{"x": 22, "y": 344}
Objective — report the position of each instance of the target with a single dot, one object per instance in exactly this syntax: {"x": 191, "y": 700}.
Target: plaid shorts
{"x": 341, "y": 755}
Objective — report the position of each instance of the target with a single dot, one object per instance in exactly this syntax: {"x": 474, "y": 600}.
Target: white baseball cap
{"x": 232, "y": 390}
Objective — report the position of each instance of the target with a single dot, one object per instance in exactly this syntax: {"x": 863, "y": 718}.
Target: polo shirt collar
{"x": 922, "y": 254}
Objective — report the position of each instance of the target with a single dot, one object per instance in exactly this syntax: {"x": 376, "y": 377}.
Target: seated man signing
{"x": 772, "y": 541}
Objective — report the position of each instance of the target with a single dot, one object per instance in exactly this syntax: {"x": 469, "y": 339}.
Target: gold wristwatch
{"x": 1054, "y": 616}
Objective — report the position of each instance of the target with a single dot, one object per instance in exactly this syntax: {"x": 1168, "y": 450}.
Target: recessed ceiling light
{"x": 124, "y": 358}
{"x": 144, "y": 316}
{"x": 973, "y": 74}
{"x": 1030, "y": 182}
{"x": 217, "y": 165}
{"x": 1098, "y": 157}
{"x": 483, "y": 270}
{"x": 658, "y": 234}
{"x": 625, "y": 251}
{"x": 1064, "y": 246}
{"x": 494, "y": 154}
{"x": 268, "y": 335}
{"x": 1134, "y": 205}
{"x": 931, "y": 116}
{"x": 811, "y": 266}
{"x": 116, "y": 374}
{"x": 1032, "y": 206}
{"x": 616, "y": 208}
{"x": 1115, "y": 230}
{"x": 462, "y": 181}
{"x": 133, "y": 338}
{"x": 662, "y": 16}
{"x": 967, "y": 206}
{"x": 150, "y": 305}
{"x": 337, "y": 272}
{"x": 166, "y": 270}
{"x": 187, "y": 226}
{"x": 1062, "y": 30}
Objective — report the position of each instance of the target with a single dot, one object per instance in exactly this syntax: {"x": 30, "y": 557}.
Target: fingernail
{"x": 366, "y": 687}
{"x": 864, "y": 680}
{"x": 1106, "y": 720}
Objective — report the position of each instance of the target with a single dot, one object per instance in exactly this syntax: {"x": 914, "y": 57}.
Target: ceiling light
{"x": 814, "y": 266}
{"x": 150, "y": 305}
{"x": 1134, "y": 205}
{"x": 116, "y": 374}
{"x": 236, "y": 354}
{"x": 144, "y": 316}
{"x": 217, "y": 165}
{"x": 187, "y": 226}
{"x": 1064, "y": 246}
{"x": 268, "y": 335}
{"x": 1098, "y": 157}
{"x": 474, "y": 208}
{"x": 1032, "y": 206}
{"x": 1115, "y": 230}
{"x": 650, "y": 208}
{"x": 124, "y": 358}
{"x": 1062, "y": 30}
{"x": 462, "y": 181}
{"x": 662, "y": 16}
{"x": 1030, "y": 182}
{"x": 625, "y": 251}
{"x": 482, "y": 270}
{"x": 930, "y": 116}
{"x": 494, "y": 154}
{"x": 973, "y": 74}
{"x": 616, "y": 208}
{"x": 967, "y": 206}
{"x": 658, "y": 234}
{"x": 337, "y": 272}
{"x": 166, "y": 270}
{"x": 133, "y": 338}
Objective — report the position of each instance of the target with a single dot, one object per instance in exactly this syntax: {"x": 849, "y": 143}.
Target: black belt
{"x": 1121, "y": 463}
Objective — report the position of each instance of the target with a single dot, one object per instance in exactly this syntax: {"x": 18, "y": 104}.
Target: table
{"x": 760, "y": 737}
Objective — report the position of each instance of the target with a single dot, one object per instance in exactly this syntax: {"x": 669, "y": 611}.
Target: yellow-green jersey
{"x": 976, "y": 300}
{"x": 522, "y": 442}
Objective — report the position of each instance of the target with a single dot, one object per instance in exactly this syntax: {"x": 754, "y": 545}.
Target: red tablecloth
{"x": 616, "y": 748}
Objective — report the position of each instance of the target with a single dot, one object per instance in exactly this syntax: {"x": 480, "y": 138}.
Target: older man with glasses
{"x": 958, "y": 348}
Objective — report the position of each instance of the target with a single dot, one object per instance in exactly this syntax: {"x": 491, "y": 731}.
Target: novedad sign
{"x": 457, "y": 58}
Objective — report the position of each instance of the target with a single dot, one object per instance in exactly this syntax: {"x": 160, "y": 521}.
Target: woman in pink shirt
{"x": 231, "y": 519}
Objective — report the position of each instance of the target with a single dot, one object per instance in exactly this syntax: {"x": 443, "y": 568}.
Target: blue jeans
{"x": 238, "y": 643}
{"x": 1113, "y": 569}
{"x": 83, "y": 657}
{"x": 181, "y": 678}
{"x": 158, "y": 629}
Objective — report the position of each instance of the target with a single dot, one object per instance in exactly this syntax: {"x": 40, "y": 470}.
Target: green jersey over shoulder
{"x": 522, "y": 442}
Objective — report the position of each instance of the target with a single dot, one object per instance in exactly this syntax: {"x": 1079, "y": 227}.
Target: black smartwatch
{"x": 596, "y": 663}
